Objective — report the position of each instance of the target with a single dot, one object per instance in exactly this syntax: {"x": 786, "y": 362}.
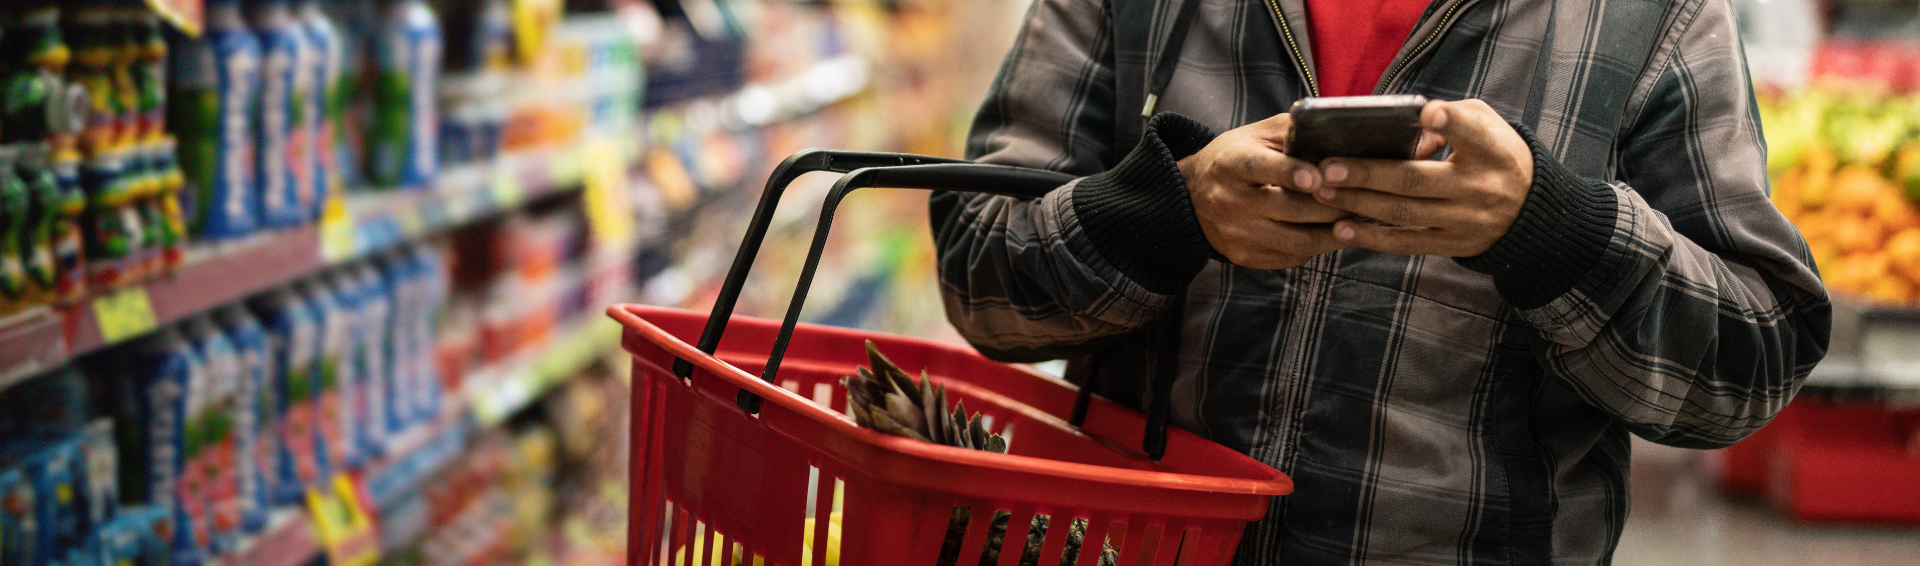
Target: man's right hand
{"x": 1239, "y": 184}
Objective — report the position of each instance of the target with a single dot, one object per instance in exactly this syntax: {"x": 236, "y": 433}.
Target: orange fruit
{"x": 1894, "y": 212}
{"x": 1858, "y": 234}
{"x": 1903, "y": 253}
{"x": 1855, "y": 188}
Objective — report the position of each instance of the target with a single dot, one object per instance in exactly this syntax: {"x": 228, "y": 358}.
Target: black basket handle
{"x": 863, "y": 170}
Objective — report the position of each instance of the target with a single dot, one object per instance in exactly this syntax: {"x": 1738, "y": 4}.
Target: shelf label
{"x": 506, "y": 188}
{"x": 343, "y": 524}
{"x": 124, "y": 314}
{"x": 336, "y": 229}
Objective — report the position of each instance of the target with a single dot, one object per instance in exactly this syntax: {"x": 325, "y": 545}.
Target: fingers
{"x": 1282, "y": 245}
{"x": 1410, "y": 178}
{"x": 1257, "y": 166}
{"x": 1401, "y": 240}
{"x": 1392, "y": 208}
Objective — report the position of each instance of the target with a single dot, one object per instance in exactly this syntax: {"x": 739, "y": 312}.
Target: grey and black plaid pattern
{"x": 1424, "y": 418}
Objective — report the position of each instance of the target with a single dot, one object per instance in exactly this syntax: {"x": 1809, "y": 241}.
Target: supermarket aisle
{"x": 1680, "y": 518}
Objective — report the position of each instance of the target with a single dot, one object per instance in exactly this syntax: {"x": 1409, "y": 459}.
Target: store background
{"x": 594, "y": 152}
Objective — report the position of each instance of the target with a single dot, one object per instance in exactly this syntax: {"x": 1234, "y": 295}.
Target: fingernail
{"x": 1327, "y": 193}
{"x": 1302, "y": 179}
{"x": 1343, "y": 231}
{"x": 1336, "y": 173}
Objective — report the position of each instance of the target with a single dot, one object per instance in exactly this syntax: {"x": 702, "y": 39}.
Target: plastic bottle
{"x": 42, "y": 214}
{"x": 216, "y": 86}
{"x": 405, "y": 288}
{"x": 434, "y": 283}
{"x": 406, "y": 121}
{"x": 293, "y": 336}
{"x": 352, "y": 112}
{"x": 377, "y": 351}
{"x": 360, "y": 358}
{"x": 95, "y": 44}
{"x": 323, "y": 42}
{"x": 42, "y": 107}
{"x": 221, "y": 432}
{"x": 164, "y": 384}
{"x": 158, "y": 198}
{"x": 114, "y": 233}
{"x": 338, "y": 420}
{"x": 14, "y": 283}
{"x": 261, "y": 403}
{"x": 284, "y": 182}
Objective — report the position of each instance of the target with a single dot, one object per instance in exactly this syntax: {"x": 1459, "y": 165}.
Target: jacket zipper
{"x": 1313, "y": 85}
{"x": 1401, "y": 65}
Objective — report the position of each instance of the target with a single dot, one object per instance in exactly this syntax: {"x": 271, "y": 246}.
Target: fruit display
{"x": 1844, "y": 159}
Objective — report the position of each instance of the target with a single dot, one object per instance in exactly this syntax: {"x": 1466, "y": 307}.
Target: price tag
{"x": 609, "y": 199}
{"x": 124, "y": 314}
{"x": 336, "y": 229}
{"x": 343, "y": 524}
{"x": 507, "y": 192}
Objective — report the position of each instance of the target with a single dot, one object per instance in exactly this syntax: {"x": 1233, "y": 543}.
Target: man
{"x": 1594, "y": 256}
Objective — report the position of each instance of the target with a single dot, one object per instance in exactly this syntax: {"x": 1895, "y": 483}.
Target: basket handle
{"x": 863, "y": 170}
{"x": 806, "y": 161}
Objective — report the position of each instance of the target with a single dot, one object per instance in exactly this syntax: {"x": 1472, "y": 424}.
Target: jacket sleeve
{"x": 1676, "y": 298}
{"x": 1031, "y": 280}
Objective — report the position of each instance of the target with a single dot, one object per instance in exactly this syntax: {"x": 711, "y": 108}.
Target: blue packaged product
{"x": 100, "y": 475}
{"x": 404, "y": 285}
{"x": 216, "y": 88}
{"x": 163, "y": 454}
{"x": 50, "y": 465}
{"x": 221, "y": 432}
{"x": 406, "y": 123}
{"x": 293, "y": 337}
{"x": 19, "y": 523}
{"x": 338, "y": 421}
{"x": 281, "y": 160}
{"x": 260, "y": 401}
{"x": 425, "y": 325}
{"x": 323, "y": 43}
{"x": 377, "y": 310}
{"x": 354, "y": 303}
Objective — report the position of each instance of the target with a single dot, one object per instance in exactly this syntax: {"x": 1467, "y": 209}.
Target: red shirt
{"x": 1355, "y": 40}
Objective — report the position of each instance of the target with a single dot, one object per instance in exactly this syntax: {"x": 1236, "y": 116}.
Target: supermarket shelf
{"x": 215, "y": 274}
{"x": 417, "y": 455}
{"x": 495, "y": 395}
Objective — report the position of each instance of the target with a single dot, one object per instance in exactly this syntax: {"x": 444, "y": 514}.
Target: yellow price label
{"x": 507, "y": 191}
{"x": 336, "y": 229}
{"x": 343, "y": 524}
{"x": 124, "y": 314}
{"x": 183, "y": 14}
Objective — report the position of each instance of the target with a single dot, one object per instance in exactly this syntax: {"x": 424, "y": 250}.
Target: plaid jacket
{"x": 1431, "y": 410}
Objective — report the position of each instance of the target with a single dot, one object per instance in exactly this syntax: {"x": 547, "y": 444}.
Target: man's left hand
{"x": 1458, "y": 207}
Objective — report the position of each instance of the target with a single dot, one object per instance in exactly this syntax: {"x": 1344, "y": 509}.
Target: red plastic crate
{"x": 1844, "y": 463}
{"x": 744, "y": 486}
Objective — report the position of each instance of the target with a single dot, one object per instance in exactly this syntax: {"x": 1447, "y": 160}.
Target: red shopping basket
{"x": 721, "y": 478}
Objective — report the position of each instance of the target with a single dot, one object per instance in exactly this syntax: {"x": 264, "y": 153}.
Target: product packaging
{"x": 323, "y": 45}
{"x": 220, "y": 432}
{"x": 153, "y": 405}
{"x": 19, "y": 527}
{"x": 285, "y": 183}
{"x": 293, "y": 337}
{"x": 99, "y": 475}
{"x": 216, "y": 86}
{"x": 338, "y": 421}
{"x": 51, "y": 465}
{"x": 377, "y": 370}
{"x": 406, "y": 122}
{"x": 261, "y": 443}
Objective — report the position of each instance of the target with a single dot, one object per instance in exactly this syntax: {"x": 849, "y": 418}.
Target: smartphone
{"x": 1378, "y": 127}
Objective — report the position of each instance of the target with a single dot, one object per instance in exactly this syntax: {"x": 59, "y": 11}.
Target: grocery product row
{"x": 311, "y": 132}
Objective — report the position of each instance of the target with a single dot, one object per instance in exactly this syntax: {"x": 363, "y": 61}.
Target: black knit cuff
{"x": 1138, "y": 215}
{"x": 1559, "y": 237}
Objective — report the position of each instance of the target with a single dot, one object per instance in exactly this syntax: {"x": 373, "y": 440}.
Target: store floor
{"x": 1680, "y": 518}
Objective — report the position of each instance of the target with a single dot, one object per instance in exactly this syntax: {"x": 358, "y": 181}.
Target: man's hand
{"x": 1239, "y": 184}
{"x": 1458, "y": 207}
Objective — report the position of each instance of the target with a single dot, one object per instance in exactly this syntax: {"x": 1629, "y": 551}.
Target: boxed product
{"x": 50, "y": 466}
{"x": 160, "y": 390}
{"x": 259, "y": 400}
{"x": 218, "y": 432}
{"x": 19, "y": 527}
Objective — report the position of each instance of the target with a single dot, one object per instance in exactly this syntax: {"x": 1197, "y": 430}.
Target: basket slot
{"x": 819, "y": 538}
{"x": 980, "y": 520}
{"x": 954, "y": 536}
{"x": 1053, "y": 551}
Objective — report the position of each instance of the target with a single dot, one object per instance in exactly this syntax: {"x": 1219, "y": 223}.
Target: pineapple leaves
{"x": 886, "y": 398}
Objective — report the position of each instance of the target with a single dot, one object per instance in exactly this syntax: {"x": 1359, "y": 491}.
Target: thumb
{"x": 1474, "y": 129}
